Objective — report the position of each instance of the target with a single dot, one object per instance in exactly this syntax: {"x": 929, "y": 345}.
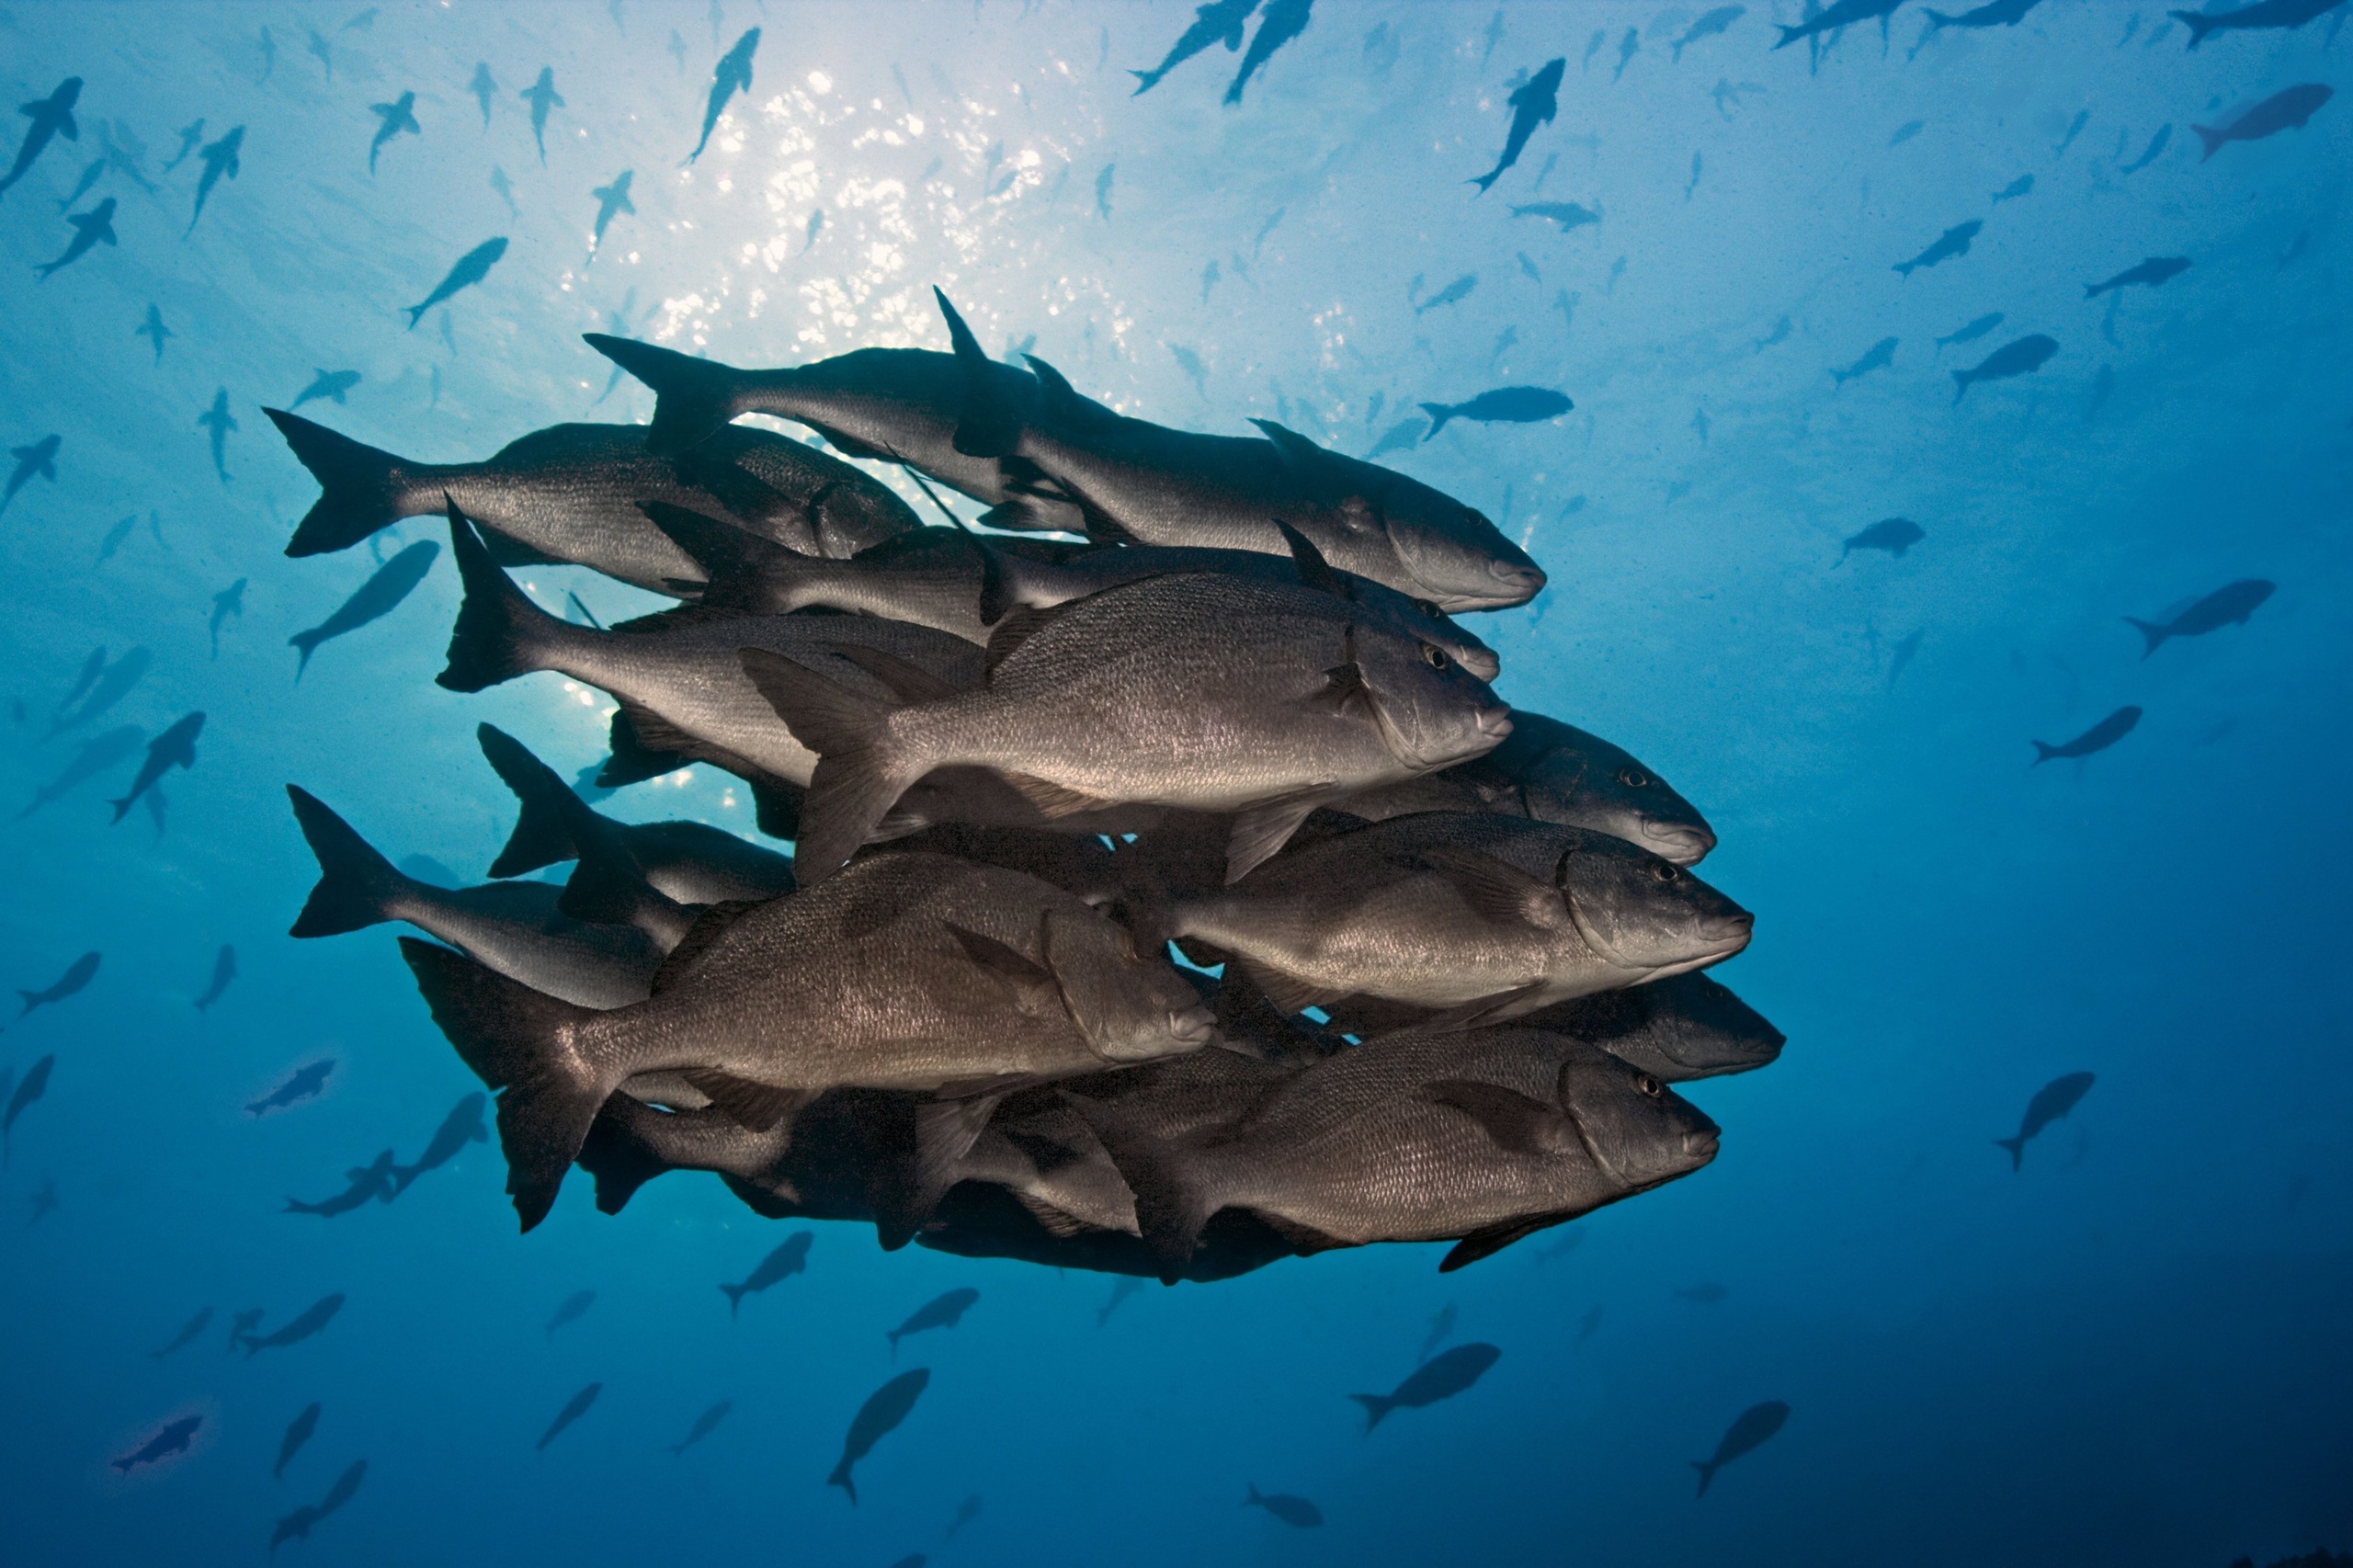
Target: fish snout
{"x": 1192, "y": 1027}
{"x": 1481, "y": 662}
{"x": 1700, "y": 1143}
{"x": 1728, "y": 932}
{"x": 1524, "y": 578}
{"x": 1678, "y": 843}
{"x": 1493, "y": 719}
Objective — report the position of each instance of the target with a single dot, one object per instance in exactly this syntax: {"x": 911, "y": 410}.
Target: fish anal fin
{"x": 1492, "y": 1239}
{"x": 1265, "y": 828}
{"x": 1051, "y": 1220}
{"x": 759, "y": 1107}
{"x": 1053, "y": 802}
{"x": 1287, "y": 992}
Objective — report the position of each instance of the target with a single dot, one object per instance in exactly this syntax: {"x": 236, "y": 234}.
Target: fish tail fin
{"x": 2212, "y": 138}
{"x": 2154, "y": 634}
{"x": 1939, "y": 21}
{"x": 1707, "y": 1469}
{"x": 307, "y": 644}
{"x": 1789, "y": 36}
{"x": 913, "y": 1185}
{"x": 2091, "y": 290}
{"x": 617, "y": 1159}
{"x": 860, "y": 774}
{"x": 2199, "y": 26}
{"x": 1173, "y": 1202}
{"x": 841, "y": 1478}
{"x": 1439, "y": 413}
{"x": 1484, "y": 182}
{"x": 987, "y": 424}
{"x": 497, "y": 627}
{"x": 1146, "y": 80}
{"x": 403, "y": 1176}
{"x": 2017, "y": 1146}
{"x": 1960, "y": 386}
{"x": 360, "y": 486}
{"x": 1377, "y": 1407}
{"x": 734, "y": 1293}
{"x": 355, "y": 882}
{"x": 741, "y": 570}
{"x": 543, "y": 826}
{"x": 2044, "y": 753}
{"x": 692, "y": 398}
{"x": 522, "y": 1043}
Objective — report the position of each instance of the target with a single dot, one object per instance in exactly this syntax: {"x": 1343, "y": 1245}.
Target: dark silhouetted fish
{"x": 2149, "y": 154}
{"x": 1282, "y": 21}
{"x": 1841, "y": 14}
{"x": 1296, "y": 1512}
{"x": 2022, "y": 186}
{"x": 2019, "y": 359}
{"x": 789, "y": 1258}
{"x": 1221, "y": 21}
{"x": 2227, "y": 606}
{"x": 40, "y": 459}
{"x": 1893, "y": 535}
{"x": 44, "y": 1201}
{"x": 1565, "y": 215}
{"x": 1452, "y": 1373}
{"x": 1532, "y": 105}
{"x": 705, "y": 1424}
{"x": 176, "y": 747}
{"x": 881, "y": 1412}
{"x": 327, "y": 384}
{"x": 1403, "y": 436}
{"x": 1953, "y": 242}
{"x": 298, "y": 1432}
{"x": 2288, "y": 14}
{"x": 485, "y": 87}
{"x": 242, "y": 1328}
{"x": 1748, "y": 1431}
{"x": 1453, "y": 294}
{"x": 306, "y": 1083}
{"x": 369, "y": 1182}
{"x": 571, "y": 1310}
{"x": 314, "y": 1318}
{"x": 90, "y": 173}
{"x": 190, "y": 136}
{"x": 395, "y": 118}
{"x": 944, "y": 1311}
{"x": 2051, "y": 1102}
{"x": 1501, "y": 405}
{"x": 52, "y": 117}
{"x": 77, "y": 974}
{"x": 966, "y": 1512}
{"x": 174, "y": 1438}
{"x": 2099, "y": 737}
{"x": 376, "y": 598}
{"x": 1879, "y": 356}
{"x": 218, "y": 423}
{"x": 1121, "y": 1289}
{"x": 611, "y": 200}
{"x": 471, "y": 268}
{"x": 188, "y": 1331}
{"x": 732, "y": 75}
{"x": 154, "y": 330}
{"x": 89, "y": 228}
{"x": 221, "y": 159}
{"x": 1628, "y": 47}
{"x": 229, "y": 601}
{"x": 542, "y": 96}
{"x": 2153, "y": 272}
{"x": 96, "y": 756}
{"x": 1906, "y": 131}
{"x": 1972, "y": 332}
{"x": 2288, "y": 109}
{"x": 1710, "y": 24}
{"x": 297, "y": 1526}
{"x": 462, "y": 1126}
{"x": 574, "y": 1409}
{"x": 224, "y": 970}
{"x": 1994, "y": 14}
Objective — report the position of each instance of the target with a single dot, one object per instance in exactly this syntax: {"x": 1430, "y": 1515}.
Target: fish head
{"x": 1703, "y": 1028}
{"x": 1568, "y": 777}
{"x": 1638, "y": 1131}
{"x": 1129, "y": 1008}
{"x": 1432, "y": 712}
{"x": 1457, "y": 559}
{"x": 1645, "y": 913}
{"x": 1420, "y": 618}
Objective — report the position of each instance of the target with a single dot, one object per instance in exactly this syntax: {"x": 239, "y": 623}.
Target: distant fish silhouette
{"x": 1123, "y": 1287}
{"x": 174, "y": 1438}
{"x": 1217, "y": 22}
{"x": 1504, "y": 406}
{"x": 2099, "y": 737}
{"x": 470, "y": 268}
{"x": 884, "y": 1409}
{"x": 176, "y": 747}
{"x": 732, "y": 74}
{"x": 97, "y": 755}
{"x": 220, "y": 161}
{"x": 571, "y": 1310}
{"x": 224, "y": 970}
{"x": 297, "y": 1526}
{"x": 1708, "y": 24}
{"x": 397, "y": 117}
{"x": 327, "y": 384}
{"x": 77, "y": 974}
{"x": 2151, "y": 153}
{"x": 1707, "y": 1295}
{"x": 1453, "y": 1372}
{"x": 305, "y": 1083}
{"x": 154, "y": 330}
{"x": 1893, "y": 535}
{"x": 1906, "y": 131}
{"x": 52, "y": 117}
{"x": 2227, "y": 606}
{"x": 1972, "y": 332}
{"x": 462, "y": 1126}
{"x": 542, "y": 96}
{"x": 1879, "y": 357}
{"x": 485, "y": 87}
{"x": 2021, "y": 358}
{"x": 377, "y": 597}
{"x": 1953, "y": 242}
{"x": 789, "y": 1258}
{"x": 314, "y": 1318}
{"x": 574, "y": 1409}
{"x": 229, "y": 601}
{"x": 113, "y": 683}
{"x": 2289, "y": 110}
{"x": 89, "y": 228}
{"x": 190, "y": 136}
{"x": 218, "y": 423}
{"x": 2154, "y": 272}
{"x": 370, "y": 1183}
{"x": 2287, "y": 14}
{"x": 2051, "y": 1102}
{"x": 298, "y": 1432}
{"x": 1282, "y": 21}
{"x": 1567, "y": 215}
{"x": 188, "y": 1331}
{"x": 1997, "y": 14}
{"x": 705, "y": 1424}
{"x": 611, "y": 200}
{"x": 944, "y": 1311}
{"x": 37, "y": 459}
{"x": 1532, "y": 105}
{"x": 1747, "y": 1432}
{"x": 1296, "y": 1512}
{"x": 1453, "y": 294}
{"x": 29, "y": 1089}
{"x": 2022, "y": 186}
{"x": 967, "y": 1511}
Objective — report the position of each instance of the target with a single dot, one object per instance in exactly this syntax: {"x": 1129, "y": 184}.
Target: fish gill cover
{"x": 1075, "y": 678}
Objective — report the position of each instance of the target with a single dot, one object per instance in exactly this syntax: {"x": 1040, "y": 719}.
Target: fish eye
{"x": 1435, "y": 656}
{"x": 1665, "y": 872}
{"x": 1633, "y": 779}
{"x": 1648, "y": 1086}
{"x": 1427, "y": 608}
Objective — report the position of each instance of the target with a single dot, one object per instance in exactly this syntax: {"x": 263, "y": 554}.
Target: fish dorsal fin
{"x": 706, "y": 930}
{"x": 914, "y": 542}
{"x": 1019, "y": 626}
{"x": 1031, "y": 985}
{"x": 907, "y": 681}
{"x": 1493, "y": 1239}
{"x": 678, "y": 617}
{"x": 1496, "y": 891}
{"x": 1314, "y": 572}
{"x": 1064, "y": 403}
{"x": 1516, "y": 1122}
{"x": 1302, "y": 456}
{"x": 1262, "y": 830}
{"x": 757, "y": 1107}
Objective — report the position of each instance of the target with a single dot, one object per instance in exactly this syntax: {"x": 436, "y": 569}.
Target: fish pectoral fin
{"x": 1496, "y": 891}
{"x": 1030, "y": 984}
{"x": 1516, "y": 1122}
{"x": 1492, "y": 1239}
{"x": 1265, "y": 828}
{"x": 1055, "y": 1223}
{"x": 756, "y": 1107}
{"x": 1306, "y": 1238}
{"x": 1288, "y": 992}
{"x": 1344, "y": 691}
{"x": 1480, "y": 1009}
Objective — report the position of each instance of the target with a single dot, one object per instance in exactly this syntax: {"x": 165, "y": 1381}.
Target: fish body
{"x": 298, "y": 1525}
{"x": 944, "y": 1311}
{"x": 1879, "y": 357}
{"x": 52, "y": 117}
{"x": 393, "y": 118}
{"x": 2149, "y": 154}
{"x": 327, "y": 384}
{"x": 218, "y": 423}
{"x": 313, "y": 1319}
{"x": 574, "y": 1409}
{"x": 368, "y": 1184}
{"x": 1282, "y": 21}
{"x": 462, "y": 1126}
{"x": 2154, "y": 272}
{"x": 1628, "y": 47}
{"x": 1893, "y": 535}
{"x": 1840, "y": 14}
{"x": 224, "y": 970}
{"x": 485, "y": 87}
{"x": 374, "y": 599}
{"x": 2023, "y": 356}
{"x": 1708, "y": 24}
{"x": 2288, "y": 109}
{"x": 2021, "y": 186}
{"x": 112, "y": 684}
{"x": 470, "y": 268}
{"x": 298, "y": 1432}
{"x": 38, "y": 461}
{"x": 1686, "y": 1027}
{"x": 505, "y": 189}
{"x": 1953, "y": 242}
{"x": 884, "y": 1409}
{"x": 2099, "y": 737}
{"x": 2075, "y": 127}
{"x": 188, "y": 1331}
{"x": 1532, "y": 105}
{"x": 1221, "y": 21}
{"x": 1748, "y": 1431}
{"x": 176, "y": 747}
{"x": 2227, "y": 606}
{"x": 1450, "y": 1374}
{"x": 2051, "y": 1102}
{"x": 1453, "y": 294}
{"x": 1993, "y": 14}
{"x": 789, "y": 1258}
{"x": 97, "y": 755}
{"x": 611, "y": 200}
{"x": 221, "y": 159}
{"x": 705, "y": 1424}
{"x": 28, "y": 1091}
{"x": 190, "y": 136}
{"x": 154, "y": 330}
{"x": 174, "y": 1438}
{"x": 1500, "y": 406}
{"x": 305, "y": 1083}
{"x": 1907, "y": 131}
{"x": 542, "y": 96}
{"x": 1404, "y": 436}
{"x": 1296, "y": 1512}
{"x": 1973, "y": 331}
{"x": 571, "y": 1309}
{"x": 732, "y": 75}
{"x": 2265, "y": 14}
{"x": 90, "y": 172}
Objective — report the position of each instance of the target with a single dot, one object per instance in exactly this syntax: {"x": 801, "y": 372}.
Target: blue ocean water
{"x": 2130, "y": 1350}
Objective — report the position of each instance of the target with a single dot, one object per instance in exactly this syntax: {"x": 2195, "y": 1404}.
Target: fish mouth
{"x": 1681, "y": 844}
{"x": 1728, "y": 934}
{"x": 1480, "y": 661}
{"x": 1495, "y": 719}
{"x": 1192, "y": 1027}
{"x": 1699, "y": 1145}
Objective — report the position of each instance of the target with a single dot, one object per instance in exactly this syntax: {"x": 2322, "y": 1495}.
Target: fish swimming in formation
{"x": 1532, "y": 105}
{"x": 77, "y": 974}
{"x": 89, "y": 228}
{"x": 1972, "y": 332}
{"x": 370, "y": 1183}
{"x": 1840, "y": 14}
{"x": 188, "y": 1331}
{"x": 2227, "y": 606}
{"x": 155, "y": 329}
{"x": 485, "y": 87}
{"x": 1568, "y": 215}
{"x": 109, "y": 687}
{"x": 297, "y": 1526}
{"x": 2283, "y": 13}
{"x": 2051, "y": 1102}
{"x": 1879, "y": 357}
{"x": 732, "y": 75}
{"x": 96, "y": 756}
{"x": 1953, "y": 242}
{"x": 944, "y": 1311}
{"x": 1708, "y": 24}
{"x": 574, "y": 1409}
{"x": 2288, "y": 109}
{"x": 331, "y": 384}
{"x": 1296, "y": 1512}
{"x": 306, "y": 1083}
{"x": 221, "y": 159}
{"x": 2022, "y": 186}
{"x": 1993, "y": 14}
{"x": 396, "y": 118}
{"x": 298, "y": 1432}
{"x": 310, "y": 1320}
{"x": 611, "y": 200}
{"x": 1450, "y": 1374}
{"x": 229, "y": 601}
{"x": 176, "y": 747}
{"x": 470, "y": 268}
{"x": 218, "y": 423}
{"x": 190, "y": 136}
{"x": 1504, "y": 405}
{"x": 1453, "y": 294}
{"x": 571, "y": 1310}
{"x": 374, "y": 599}
{"x": 2099, "y": 737}
{"x": 52, "y": 117}
{"x": 2020, "y": 357}
{"x": 2149, "y": 154}
{"x": 789, "y": 1258}
{"x": 462, "y": 1126}
{"x": 174, "y": 1438}
{"x": 224, "y": 970}
{"x": 1221, "y": 21}
{"x": 2154, "y": 272}
{"x": 1893, "y": 535}
{"x": 884, "y": 1409}
{"x": 38, "y": 461}
{"x": 1748, "y": 1431}
{"x": 705, "y": 1424}
{"x": 28, "y": 1091}
{"x": 1282, "y": 21}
